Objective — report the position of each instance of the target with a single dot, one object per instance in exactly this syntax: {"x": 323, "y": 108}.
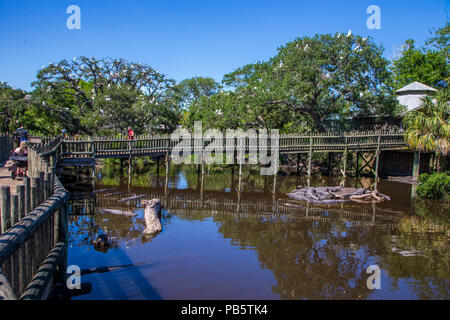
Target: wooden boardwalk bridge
{"x": 367, "y": 146}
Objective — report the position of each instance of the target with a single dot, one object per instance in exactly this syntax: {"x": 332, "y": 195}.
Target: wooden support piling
{"x": 14, "y": 209}
{"x": 416, "y": 164}
{"x": 20, "y": 191}
{"x": 27, "y": 185}
{"x": 5, "y": 206}
{"x": 310, "y": 156}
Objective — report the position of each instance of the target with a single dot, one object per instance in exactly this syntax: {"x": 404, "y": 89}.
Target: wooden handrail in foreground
{"x": 33, "y": 247}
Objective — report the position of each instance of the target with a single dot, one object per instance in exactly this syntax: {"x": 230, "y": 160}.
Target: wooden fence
{"x": 34, "y": 223}
{"x": 6, "y": 146}
{"x": 145, "y": 145}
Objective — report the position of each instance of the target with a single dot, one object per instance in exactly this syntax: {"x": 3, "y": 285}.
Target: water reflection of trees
{"x": 313, "y": 260}
{"x": 309, "y": 260}
{"x": 429, "y": 273}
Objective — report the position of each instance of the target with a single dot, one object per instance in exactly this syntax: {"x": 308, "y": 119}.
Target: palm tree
{"x": 428, "y": 128}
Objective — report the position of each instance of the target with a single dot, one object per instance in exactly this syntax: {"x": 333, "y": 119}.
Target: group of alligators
{"x": 336, "y": 195}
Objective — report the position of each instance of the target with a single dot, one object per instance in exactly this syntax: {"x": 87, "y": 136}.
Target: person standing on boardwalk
{"x": 130, "y": 133}
{"x": 130, "y": 137}
{"x": 20, "y": 134}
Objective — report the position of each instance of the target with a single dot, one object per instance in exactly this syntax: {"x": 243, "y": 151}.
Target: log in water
{"x": 152, "y": 208}
{"x": 336, "y": 195}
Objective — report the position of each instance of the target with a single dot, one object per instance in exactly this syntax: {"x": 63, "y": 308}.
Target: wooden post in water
{"x": 202, "y": 165}
{"x": 167, "y": 162}
{"x": 310, "y": 157}
{"x": 377, "y": 161}
{"x": 329, "y": 163}
{"x": 357, "y": 163}
{"x": 5, "y": 206}
{"x": 122, "y": 165}
{"x": 344, "y": 160}
{"x": 416, "y": 164}
{"x": 157, "y": 165}
{"x": 166, "y": 185}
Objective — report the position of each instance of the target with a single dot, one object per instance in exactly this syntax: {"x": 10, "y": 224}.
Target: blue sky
{"x": 186, "y": 38}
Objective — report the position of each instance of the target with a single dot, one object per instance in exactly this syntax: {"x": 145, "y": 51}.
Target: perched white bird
{"x": 364, "y": 39}
{"x": 306, "y": 47}
{"x": 349, "y": 33}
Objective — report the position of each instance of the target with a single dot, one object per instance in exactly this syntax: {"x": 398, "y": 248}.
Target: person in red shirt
{"x": 130, "y": 133}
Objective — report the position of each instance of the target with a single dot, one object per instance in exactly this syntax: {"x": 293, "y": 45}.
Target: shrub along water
{"x": 434, "y": 186}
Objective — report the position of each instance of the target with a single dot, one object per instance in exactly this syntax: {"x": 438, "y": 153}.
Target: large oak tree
{"x": 314, "y": 79}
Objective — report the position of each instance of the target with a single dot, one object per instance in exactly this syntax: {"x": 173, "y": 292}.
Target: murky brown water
{"x": 218, "y": 243}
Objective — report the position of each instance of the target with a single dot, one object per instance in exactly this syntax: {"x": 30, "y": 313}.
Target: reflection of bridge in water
{"x": 197, "y": 203}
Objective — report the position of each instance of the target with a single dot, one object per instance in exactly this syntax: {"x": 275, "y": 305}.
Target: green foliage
{"x": 86, "y": 95}
{"x": 428, "y": 128}
{"x": 419, "y": 64}
{"x": 12, "y": 107}
{"x": 427, "y": 64}
{"x": 435, "y": 186}
{"x": 441, "y": 40}
{"x": 309, "y": 83}
{"x": 313, "y": 79}
{"x": 192, "y": 90}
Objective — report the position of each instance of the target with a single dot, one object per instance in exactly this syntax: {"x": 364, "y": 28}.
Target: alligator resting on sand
{"x": 336, "y": 195}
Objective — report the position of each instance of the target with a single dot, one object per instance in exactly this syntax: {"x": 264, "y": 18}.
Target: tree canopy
{"x": 106, "y": 95}
{"x": 427, "y": 64}
{"x": 310, "y": 80}
{"x": 308, "y": 83}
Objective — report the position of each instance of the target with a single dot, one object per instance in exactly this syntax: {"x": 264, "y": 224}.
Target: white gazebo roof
{"x": 412, "y": 95}
{"x": 415, "y": 87}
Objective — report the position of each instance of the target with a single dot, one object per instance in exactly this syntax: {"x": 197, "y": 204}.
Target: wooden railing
{"x": 34, "y": 235}
{"x": 120, "y": 146}
{"x": 6, "y": 145}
